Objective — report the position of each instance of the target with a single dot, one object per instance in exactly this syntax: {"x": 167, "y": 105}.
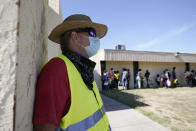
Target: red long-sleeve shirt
{"x": 53, "y": 96}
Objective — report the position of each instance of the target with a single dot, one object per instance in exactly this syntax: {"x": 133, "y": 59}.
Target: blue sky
{"x": 144, "y": 25}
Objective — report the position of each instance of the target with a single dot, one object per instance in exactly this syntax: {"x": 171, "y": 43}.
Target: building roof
{"x": 129, "y": 55}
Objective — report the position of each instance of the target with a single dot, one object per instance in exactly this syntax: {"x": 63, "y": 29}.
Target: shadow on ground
{"x": 130, "y": 100}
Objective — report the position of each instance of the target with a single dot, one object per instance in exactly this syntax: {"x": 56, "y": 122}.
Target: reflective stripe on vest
{"x": 86, "y": 123}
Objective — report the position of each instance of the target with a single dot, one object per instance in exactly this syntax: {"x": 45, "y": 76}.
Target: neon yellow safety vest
{"x": 86, "y": 110}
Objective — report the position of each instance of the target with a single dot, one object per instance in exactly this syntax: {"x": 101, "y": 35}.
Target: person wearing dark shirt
{"x": 174, "y": 78}
{"x": 147, "y": 75}
{"x": 67, "y": 97}
{"x": 128, "y": 78}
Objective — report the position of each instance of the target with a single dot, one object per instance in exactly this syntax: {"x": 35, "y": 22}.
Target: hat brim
{"x": 56, "y": 33}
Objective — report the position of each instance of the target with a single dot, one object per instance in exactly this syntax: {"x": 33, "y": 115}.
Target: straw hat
{"x": 75, "y": 22}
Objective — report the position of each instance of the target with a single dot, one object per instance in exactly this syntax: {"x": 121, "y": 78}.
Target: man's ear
{"x": 74, "y": 36}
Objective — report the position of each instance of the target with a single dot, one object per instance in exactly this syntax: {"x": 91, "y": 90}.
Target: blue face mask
{"x": 93, "y": 47}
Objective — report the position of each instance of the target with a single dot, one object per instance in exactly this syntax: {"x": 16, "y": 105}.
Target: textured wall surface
{"x": 31, "y": 55}
{"x": 8, "y": 42}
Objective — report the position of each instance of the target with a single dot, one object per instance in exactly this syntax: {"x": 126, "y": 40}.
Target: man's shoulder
{"x": 56, "y": 62}
{"x": 54, "y": 65}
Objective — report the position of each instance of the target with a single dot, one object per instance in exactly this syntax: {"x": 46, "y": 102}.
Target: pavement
{"x": 123, "y": 118}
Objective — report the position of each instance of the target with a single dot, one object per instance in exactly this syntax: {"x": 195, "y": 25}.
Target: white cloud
{"x": 180, "y": 30}
{"x": 148, "y": 44}
{"x": 165, "y": 36}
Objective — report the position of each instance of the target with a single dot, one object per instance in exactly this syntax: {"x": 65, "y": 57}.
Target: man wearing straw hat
{"x": 67, "y": 97}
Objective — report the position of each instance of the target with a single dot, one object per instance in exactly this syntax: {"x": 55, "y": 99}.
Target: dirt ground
{"x": 174, "y": 108}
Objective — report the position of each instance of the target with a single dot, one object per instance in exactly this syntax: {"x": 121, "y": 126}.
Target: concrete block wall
{"x": 8, "y": 47}
{"x": 24, "y": 25}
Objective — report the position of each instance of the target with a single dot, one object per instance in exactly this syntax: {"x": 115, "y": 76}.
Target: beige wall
{"x": 118, "y": 65}
{"x": 158, "y": 67}
{"x": 193, "y": 66}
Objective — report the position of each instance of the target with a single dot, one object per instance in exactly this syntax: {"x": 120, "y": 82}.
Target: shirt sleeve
{"x": 53, "y": 97}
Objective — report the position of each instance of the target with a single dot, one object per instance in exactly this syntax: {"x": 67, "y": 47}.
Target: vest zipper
{"x": 97, "y": 102}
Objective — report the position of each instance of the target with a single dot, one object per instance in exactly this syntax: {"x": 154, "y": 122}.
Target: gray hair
{"x": 64, "y": 40}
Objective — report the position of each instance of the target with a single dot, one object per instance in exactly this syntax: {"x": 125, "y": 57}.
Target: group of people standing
{"x": 113, "y": 79}
{"x": 165, "y": 79}
{"x": 142, "y": 80}
{"x": 190, "y": 77}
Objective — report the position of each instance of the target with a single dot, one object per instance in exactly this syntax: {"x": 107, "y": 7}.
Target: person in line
{"x": 111, "y": 78}
{"x": 128, "y": 79}
{"x": 124, "y": 78}
{"x": 105, "y": 79}
{"x": 67, "y": 97}
{"x": 139, "y": 78}
{"x": 158, "y": 80}
{"x": 147, "y": 75}
{"x": 174, "y": 77}
{"x": 188, "y": 77}
{"x": 193, "y": 78}
{"x": 168, "y": 77}
{"x": 102, "y": 79}
{"x": 163, "y": 79}
{"x": 116, "y": 79}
